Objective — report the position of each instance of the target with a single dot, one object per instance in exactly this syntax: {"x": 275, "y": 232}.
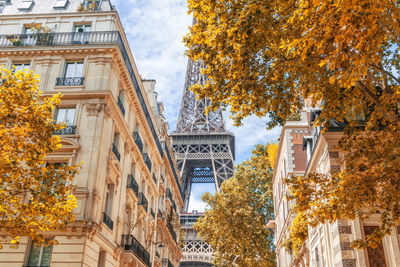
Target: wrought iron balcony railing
{"x": 168, "y": 193}
{"x": 107, "y": 220}
{"x": 121, "y": 106}
{"x": 132, "y": 184}
{"x": 70, "y": 81}
{"x": 159, "y": 213}
{"x": 116, "y": 152}
{"x": 69, "y": 129}
{"x": 84, "y": 38}
{"x": 143, "y": 201}
{"x": 147, "y": 160}
{"x": 173, "y": 170}
{"x": 171, "y": 230}
{"x": 138, "y": 141}
{"x": 130, "y": 243}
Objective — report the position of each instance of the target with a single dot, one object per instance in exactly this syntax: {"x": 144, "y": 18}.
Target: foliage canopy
{"x": 35, "y": 196}
{"x": 263, "y": 57}
{"x": 235, "y": 223}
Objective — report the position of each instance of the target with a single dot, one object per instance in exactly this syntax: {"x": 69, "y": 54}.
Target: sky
{"x": 155, "y": 29}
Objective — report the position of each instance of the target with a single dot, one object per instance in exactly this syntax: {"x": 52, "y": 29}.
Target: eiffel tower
{"x": 204, "y": 153}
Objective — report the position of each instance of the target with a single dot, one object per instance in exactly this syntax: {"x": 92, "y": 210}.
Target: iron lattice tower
{"x": 204, "y": 153}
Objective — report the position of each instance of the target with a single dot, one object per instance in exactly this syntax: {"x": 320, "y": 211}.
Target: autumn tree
{"x": 263, "y": 57}
{"x": 235, "y": 221}
{"x": 35, "y": 196}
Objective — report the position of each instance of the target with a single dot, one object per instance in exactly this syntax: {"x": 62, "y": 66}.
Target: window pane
{"x": 25, "y": 5}
{"x": 46, "y": 256}
{"x": 23, "y": 67}
{"x": 79, "y": 70}
{"x": 34, "y": 256}
{"x": 61, "y": 115}
{"x": 69, "y": 120}
{"x": 70, "y": 70}
{"x": 60, "y": 3}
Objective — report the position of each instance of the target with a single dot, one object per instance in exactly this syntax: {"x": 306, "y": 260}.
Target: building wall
{"x": 98, "y": 116}
{"x": 328, "y": 244}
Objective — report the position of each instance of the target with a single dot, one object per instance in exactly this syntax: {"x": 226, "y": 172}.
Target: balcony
{"x": 168, "y": 194}
{"x": 69, "y": 129}
{"x": 107, "y": 221}
{"x": 116, "y": 152}
{"x": 154, "y": 179}
{"x": 143, "y": 201}
{"x": 173, "y": 170}
{"x": 121, "y": 106}
{"x": 132, "y": 184}
{"x": 70, "y": 81}
{"x": 84, "y": 38}
{"x": 171, "y": 230}
{"x": 130, "y": 243}
{"x": 147, "y": 160}
{"x": 138, "y": 141}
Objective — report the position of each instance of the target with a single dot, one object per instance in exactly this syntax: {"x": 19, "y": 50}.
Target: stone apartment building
{"x": 304, "y": 149}
{"x": 128, "y": 191}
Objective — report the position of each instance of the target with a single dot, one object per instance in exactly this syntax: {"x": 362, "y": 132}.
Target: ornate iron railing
{"x": 143, "y": 201}
{"x": 69, "y": 129}
{"x": 132, "y": 184}
{"x": 147, "y": 160}
{"x": 130, "y": 243}
{"x": 70, "y": 81}
{"x": 171, "y": 230}
{"x": 138, "y": 141}
{"x": 116, "y": 152}
{"x": 107, "y": 221}
{"x": 173, "y": 170}
{"x": 84, "y": 38}
{"x": 168, "y": 193}
{"x": 121, "y": 106}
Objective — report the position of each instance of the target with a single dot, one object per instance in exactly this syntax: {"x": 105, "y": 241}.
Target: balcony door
{"x": 81, "y": 33}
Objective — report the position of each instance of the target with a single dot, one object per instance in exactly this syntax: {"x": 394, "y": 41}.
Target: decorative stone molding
{"x": 93, "y": 109}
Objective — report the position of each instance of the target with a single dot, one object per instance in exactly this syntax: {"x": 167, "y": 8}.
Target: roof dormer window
{"x": 26, "y": 5}
{"x": 61, "y": 3}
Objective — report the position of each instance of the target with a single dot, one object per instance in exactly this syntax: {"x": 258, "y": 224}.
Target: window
{"x": 22, "y": 67}
{"x": 88, "y": 4}
{"x": 74, "y": 69}
{"x": 40, "y": 255}
{"x": 109, "y": 199}
{"x": 65, "y": 115}
{"x": 2, "y": 5}
{"x": 61, "y": 3}
{"x": 102, "y": 259}
{"x": 26, "y": 5}
{"x": 83, "y": 28}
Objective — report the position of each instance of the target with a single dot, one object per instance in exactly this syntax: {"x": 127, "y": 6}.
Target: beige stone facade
{"x": 128, "y": 190}
{"x": 328, "y": 245}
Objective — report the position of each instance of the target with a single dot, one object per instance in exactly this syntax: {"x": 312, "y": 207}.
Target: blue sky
{"x": 155, "y": 29}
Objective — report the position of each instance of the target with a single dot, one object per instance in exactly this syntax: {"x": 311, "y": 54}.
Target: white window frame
{"x": 75, "y": 69}
{"x": 66, "y": 115}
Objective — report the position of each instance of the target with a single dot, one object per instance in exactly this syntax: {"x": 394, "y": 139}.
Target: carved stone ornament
{"x": 94, "y": 108}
